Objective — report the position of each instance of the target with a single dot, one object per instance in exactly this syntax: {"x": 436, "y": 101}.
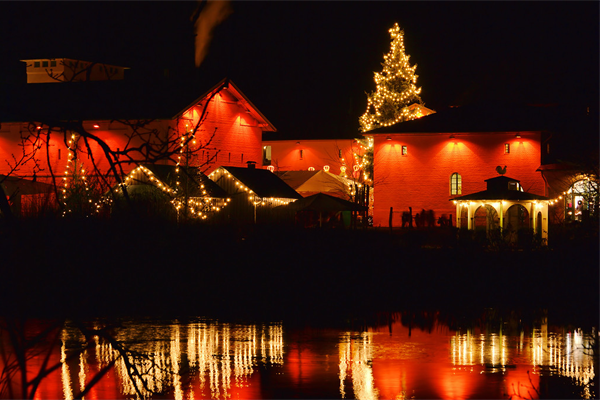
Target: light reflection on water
{"x": 210, "y": 359}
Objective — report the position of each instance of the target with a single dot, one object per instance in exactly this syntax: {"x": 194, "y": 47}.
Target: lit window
{"x": 404, "y": 150}
{"x": 455, "y": 184}
{"x": 506, "y": 148}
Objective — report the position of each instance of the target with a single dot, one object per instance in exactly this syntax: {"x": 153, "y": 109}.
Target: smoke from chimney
{"x": 212, "y": 14}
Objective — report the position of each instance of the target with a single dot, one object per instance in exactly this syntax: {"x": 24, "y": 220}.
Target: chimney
{"x": 251, "y": 164}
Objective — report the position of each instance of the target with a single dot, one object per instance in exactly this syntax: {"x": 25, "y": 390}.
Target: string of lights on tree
{"x": 197, "y": 207}
{"x": 364, "y": 157}
{"x": 76, "y": 195}
{"x": 395, "y": 88}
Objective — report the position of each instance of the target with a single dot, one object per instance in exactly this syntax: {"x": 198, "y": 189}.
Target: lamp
{"x": 518, "y": 135}
{"x": 388, "y": 138}
{"x": 452, "y": 136}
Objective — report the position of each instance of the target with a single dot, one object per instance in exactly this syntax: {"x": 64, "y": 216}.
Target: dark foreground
{"x": 90, "y": 268}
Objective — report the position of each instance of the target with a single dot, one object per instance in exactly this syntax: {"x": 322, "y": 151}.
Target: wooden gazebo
{"x": 504, "y": 206}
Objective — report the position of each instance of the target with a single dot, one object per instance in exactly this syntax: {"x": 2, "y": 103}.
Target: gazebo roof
{"x": 512, "y": 195}
{"x": 501, "y": 188}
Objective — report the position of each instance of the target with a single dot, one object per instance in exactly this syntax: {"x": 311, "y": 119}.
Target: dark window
{"x": 36, "y": 64}
{"x": 340, "y": 153}
{"x": 266, "y": 155}
{"x": 53, "y": 63}
{"x": 301, "y": 154}
{"x": 45, "y": 64}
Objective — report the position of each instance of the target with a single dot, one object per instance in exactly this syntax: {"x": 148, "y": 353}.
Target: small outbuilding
{"x": 322, "y": 210}
{"x": 153, "y": 185}
{"x": 504, "y": 206}
{"x": 254, "y": 192}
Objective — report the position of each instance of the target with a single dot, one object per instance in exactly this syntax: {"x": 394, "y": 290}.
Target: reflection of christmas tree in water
{"x": 396, "y": 93}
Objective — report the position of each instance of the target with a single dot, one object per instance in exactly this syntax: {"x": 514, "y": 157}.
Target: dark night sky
{"x": 306, "y": 65}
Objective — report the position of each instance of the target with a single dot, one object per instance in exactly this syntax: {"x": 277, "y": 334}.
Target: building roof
{"x": 483, "y": 117}
{"x": 111, "y": 100}
{"x": 501, "y": 188}
{"x": 263, "y": 182}
{"x": 295, "y": 178}
{"x": 322, "y": 202}
{"x": 312, "y": 182}
{"x": 190, "y": 175}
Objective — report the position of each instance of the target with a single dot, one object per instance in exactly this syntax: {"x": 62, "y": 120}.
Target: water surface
{"x": 395, "y": 360}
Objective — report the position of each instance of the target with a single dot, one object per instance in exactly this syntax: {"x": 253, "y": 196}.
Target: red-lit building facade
{"x": 336, "y": 156}
{"x": 423, "y": 164}
{"x": 226, "y": 127}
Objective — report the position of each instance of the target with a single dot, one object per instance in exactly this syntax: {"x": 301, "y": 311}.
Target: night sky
{"x": 306, "y": 65}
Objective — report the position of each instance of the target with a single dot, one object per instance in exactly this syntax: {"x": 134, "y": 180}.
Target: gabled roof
{"x": 111, "y": 100}
{"x": 191, "y": 176}
{"x": 295, "y": 178}
{"x": 311, "y": 182}
{"x": 324, "y": 181}
{"x": 263, "y": 182}
{"x": 485, "y": 117}
{"x": 322, "y": 202}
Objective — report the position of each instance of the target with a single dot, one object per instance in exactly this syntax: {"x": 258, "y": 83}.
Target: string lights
{"x": 396, "y": 89}
{"x": 76, "y": 191}
{"x": 237, "y": 187}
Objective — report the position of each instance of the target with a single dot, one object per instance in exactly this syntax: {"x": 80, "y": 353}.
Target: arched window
{"x": 455, "y": 184}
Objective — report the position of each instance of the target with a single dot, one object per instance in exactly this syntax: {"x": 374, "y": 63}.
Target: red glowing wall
{"x": 230, "y": 136}
{"x": 413, "y": 170}
{"x": 300, "y": 155}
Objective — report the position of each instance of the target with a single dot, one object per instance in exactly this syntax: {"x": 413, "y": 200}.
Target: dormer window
{"x": 515, "y": 186}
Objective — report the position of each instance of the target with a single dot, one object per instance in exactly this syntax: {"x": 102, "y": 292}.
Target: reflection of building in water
{"x": 550, "y": 353}
{"x": 209, "y": 358}
{"x": 355, "y": 362}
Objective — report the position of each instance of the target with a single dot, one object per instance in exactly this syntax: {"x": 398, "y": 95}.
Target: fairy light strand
{"x": 396, "y": 88}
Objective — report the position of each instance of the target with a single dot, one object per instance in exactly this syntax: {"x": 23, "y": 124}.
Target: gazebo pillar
{"x": 469, "y": 217}
{"x": 533, "y": 218}
{"x": 501, "y": 216}
{"x": 458, "y": 214}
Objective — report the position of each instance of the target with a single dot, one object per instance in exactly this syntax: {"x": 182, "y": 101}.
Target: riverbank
{"x": 95, "y": 268}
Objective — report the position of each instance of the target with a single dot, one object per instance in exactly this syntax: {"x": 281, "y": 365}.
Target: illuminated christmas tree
{"x": 396, "y": 89}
